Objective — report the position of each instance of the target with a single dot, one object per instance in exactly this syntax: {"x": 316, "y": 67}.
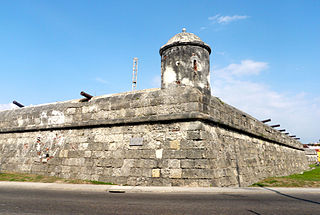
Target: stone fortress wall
{"x": 155, "y": 137}
{"x": 178, "y": 135}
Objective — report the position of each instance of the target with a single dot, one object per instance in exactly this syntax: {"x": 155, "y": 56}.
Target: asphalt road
{"x": 19, "y": 200}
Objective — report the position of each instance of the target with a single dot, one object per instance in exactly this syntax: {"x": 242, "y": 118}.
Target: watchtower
{"x": 185, "y": 62}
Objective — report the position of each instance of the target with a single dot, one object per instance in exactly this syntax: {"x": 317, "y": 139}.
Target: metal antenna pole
{"x": 134, "y": 73}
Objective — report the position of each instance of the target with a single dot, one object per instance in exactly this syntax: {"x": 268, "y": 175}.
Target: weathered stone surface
{"x": 175, "y": 144}
{"x": 225, "y": 158}
{"x": 175, "y": 173}
{"x": 185, "y": 62}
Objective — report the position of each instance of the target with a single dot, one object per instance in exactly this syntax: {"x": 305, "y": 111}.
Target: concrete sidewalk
{"x": 142, "y": 189}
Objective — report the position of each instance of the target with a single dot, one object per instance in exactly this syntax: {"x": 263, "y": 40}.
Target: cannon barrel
{"x": 88, "y": 96}
{"x": 18, "y": 104}
{"x": 273, "y": 126}
{"x": 266, "y": 120}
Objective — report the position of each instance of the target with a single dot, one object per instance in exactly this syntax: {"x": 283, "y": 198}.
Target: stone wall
{"x": 170, "y": 137}
{"x": 312, "y": 155}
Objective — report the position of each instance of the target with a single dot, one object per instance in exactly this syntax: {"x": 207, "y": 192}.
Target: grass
{"x": 24, "y": 177}
{"x": 309, "y": 178}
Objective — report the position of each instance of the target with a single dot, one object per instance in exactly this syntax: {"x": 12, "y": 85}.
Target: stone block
{"x": 65, "y": 175}
{"x": 195, "y": 153}
{"x": 163, "y": 163}
{"x": 193, "y": 135}
{"x": 175, "y": 154}
{"x": 205, "y": 135}
{"x": 191, "y": 183}
{"x": 87, "y": 154}
{"x": 84, "y": 170}
{"x": 89, "y": 109}
{"x": 71, "y": 110}
{"x": 97, "y": 154}
{"x": 156, "y": 173}
{"x": 53, "y": 161}
{"x": 82, "y": 176}
{"x": 178, "y": 182}
{"x": 88, "y": 162}
{"x": 136, "y": 154}
{"x": 96, "y": 146}
{"x": 65, "y": 169}
{"x": 188, "y": 144}
{"x": 145, "y": 163}
{"x": 148, "y": 153}
{"x": 175, "y": 173}
{"x": 201, "y": 164}
{"x": 204, "y": 183}
{"x": 173, "y": 163}
{"x": 136, "y": 172}
{"x": 75, "y": 154}
{"x": 175, "y": 144}
{"x": 146, "y": 172}
{"x": 158, "y": 182}
{"x": 129, "y": 113}
{"x": 159, "y": 153}
{"x": 73, "y": 161}
{"x": 197, "y": 173}
{"x": 187, "y": 163}
{"x": 83, "y": 146}
{"x": 116, "y": 163}
{"x": 107, "y": 171}
{"x": 165, "y": 172}
{"x": 63, "y": 153}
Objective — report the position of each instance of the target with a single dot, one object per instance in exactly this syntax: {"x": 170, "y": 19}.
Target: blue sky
{"x": 265, "y": 58}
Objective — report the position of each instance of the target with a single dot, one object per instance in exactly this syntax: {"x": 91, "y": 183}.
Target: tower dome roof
{"x": 185, "y": 38}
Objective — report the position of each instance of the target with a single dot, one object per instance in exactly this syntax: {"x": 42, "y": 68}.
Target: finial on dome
{"x": 184, "y": 30}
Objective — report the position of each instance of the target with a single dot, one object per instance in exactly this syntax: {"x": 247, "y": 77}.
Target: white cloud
{"x": 214, "y": 17}
{"x": 7, "y": 106}
{"x": 297, "y": 113}
{"x": 226, "y": 19}
{"x": 246, "y": 67}
{"x": 102, "y": 81}
{"x": 203, "y": 28}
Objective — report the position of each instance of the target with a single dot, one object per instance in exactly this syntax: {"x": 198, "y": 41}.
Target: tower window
{"x": 195, "y": 67}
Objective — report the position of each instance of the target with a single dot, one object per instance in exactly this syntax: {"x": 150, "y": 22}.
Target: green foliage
{"x": 309, "y": 178}
{"x": 312, "y": 175}
{"x": 24, "y": 177}
{"x": 272, "y": 181}
{"x": 101, "y": 182}
{"x": 258, "y": 185}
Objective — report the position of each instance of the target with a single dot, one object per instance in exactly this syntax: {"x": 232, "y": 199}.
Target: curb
{"x": 142, "y": 189}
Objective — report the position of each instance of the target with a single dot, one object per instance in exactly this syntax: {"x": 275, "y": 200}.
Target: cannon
{"x": 88, "y": 96}
{"x": 18, "y": 104}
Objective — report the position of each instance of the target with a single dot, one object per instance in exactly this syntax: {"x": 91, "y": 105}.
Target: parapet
{"x": 140, "y": 107}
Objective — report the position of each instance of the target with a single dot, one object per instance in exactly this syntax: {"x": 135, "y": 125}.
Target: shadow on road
{"x": 289, "y": 196}
{"x": 254, "y": 212}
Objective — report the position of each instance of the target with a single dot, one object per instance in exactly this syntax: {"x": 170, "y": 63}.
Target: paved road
{"x": 46, "y": 200}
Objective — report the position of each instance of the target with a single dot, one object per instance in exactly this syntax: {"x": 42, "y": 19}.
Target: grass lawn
{"x": 8, "y": 176}
{"x": 309, "y": 178}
